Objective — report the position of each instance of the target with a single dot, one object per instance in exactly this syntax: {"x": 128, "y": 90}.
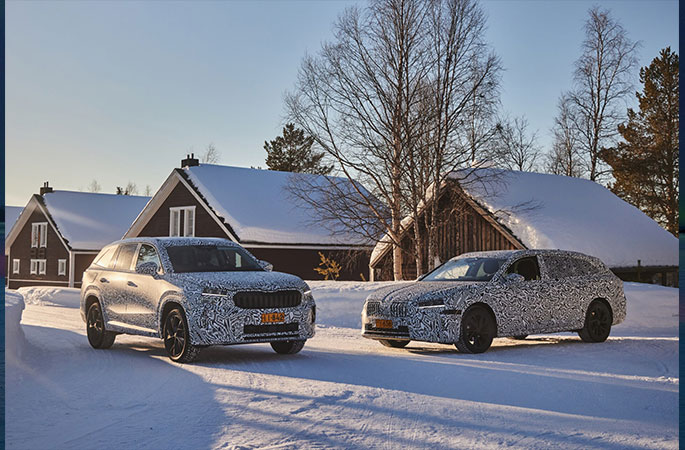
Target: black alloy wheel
{"x": 177, "y": 338}
{"x": 478, "y": 329}
{"x": 597, "y": 323}
{"x": 98, "y": 337}
{"x": 393, "y": 343}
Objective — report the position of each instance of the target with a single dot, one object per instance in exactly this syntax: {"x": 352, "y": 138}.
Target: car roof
{"x": 506, "y": 254}
{"x": 162, "y": 241}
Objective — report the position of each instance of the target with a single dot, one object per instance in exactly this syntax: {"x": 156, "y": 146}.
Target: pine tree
{"x": 293, "y": 152}
{"x": 645, "y": 164}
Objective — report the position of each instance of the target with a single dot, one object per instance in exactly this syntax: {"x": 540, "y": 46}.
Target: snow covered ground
{"x": 343, "y": 391}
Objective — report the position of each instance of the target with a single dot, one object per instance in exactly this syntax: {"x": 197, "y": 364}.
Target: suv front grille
{"x": 398, "y": 309}
{"x": 265, "y": 300}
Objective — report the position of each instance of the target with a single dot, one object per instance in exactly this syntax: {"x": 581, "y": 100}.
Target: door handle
{"x": 131, "y": 283}
{"x": 104, "y": 280}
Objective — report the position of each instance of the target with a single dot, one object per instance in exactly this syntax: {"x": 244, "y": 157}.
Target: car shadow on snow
{"x": 65, "y": 394}
{"x": 560, "y": 385}
{"x": 496, "y": 388}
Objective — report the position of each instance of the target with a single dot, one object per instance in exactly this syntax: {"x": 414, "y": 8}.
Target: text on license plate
{"x": 380, "y": 323}
{"x": 273, "y": 317}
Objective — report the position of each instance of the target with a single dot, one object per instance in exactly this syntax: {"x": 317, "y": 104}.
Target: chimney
{"x": 190, "y": 161}
{"x": 45, "y": 188}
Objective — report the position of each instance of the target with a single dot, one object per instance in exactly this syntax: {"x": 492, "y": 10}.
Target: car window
{"x": 105, "y": 258}
{"x": 210, "y": 258}
{"x": 466, "y": 269}
{"x": 526, "y": 267}
{"x": 584, "y": 267}
{"x": 560, "y": 267}
{"x": 125, "y": 256}
{"x": 147, "y": 254}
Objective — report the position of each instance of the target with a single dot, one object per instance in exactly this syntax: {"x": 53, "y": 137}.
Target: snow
{"x": 567, "y": 213}
{"x": 547, "y": 211}
{"x": 233, "y": 193}
{"x": 344, "y": 391}
{"x": 11, "y": 216}
{"x": 15, "y": 342}
{"x": 51, "y": 296}
{"x": 89, "y": 221}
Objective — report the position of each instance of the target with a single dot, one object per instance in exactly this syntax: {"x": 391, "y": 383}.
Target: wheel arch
{"x": 91, "y": 298}
{"x": 167, "y": 305}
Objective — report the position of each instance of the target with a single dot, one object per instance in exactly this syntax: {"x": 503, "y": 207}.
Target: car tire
{"x": 393, "y": 343}
{"x": 98, "y": 336}
{"x": 478, "y": 329}
{"x": 520, "y": 337}
{"x": 176, "y": 335}
{"x": 597, "y": 323}
{"x": 287, "y": 347}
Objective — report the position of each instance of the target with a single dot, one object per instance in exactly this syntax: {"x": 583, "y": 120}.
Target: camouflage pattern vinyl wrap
{"x": 431, "y": 310}
{"x": 135, "y": 303}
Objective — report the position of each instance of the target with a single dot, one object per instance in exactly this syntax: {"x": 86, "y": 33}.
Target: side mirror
{"x": 514, "y": 278}
{"x": 148, "y": 268}
{"x": 265, "y": 265}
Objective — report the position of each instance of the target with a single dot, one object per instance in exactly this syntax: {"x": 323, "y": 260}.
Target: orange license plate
{"x": 273, "y": 317}
{"x": 383, "y": 323}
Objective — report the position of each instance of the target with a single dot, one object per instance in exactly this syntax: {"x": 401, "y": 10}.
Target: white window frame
{"x": 61, "y": 267}
{"x": 16, "y": 264}
{"x": 39, "y": 234}
{"x": 38, "y": 266}
{"x": 175, "y": 221}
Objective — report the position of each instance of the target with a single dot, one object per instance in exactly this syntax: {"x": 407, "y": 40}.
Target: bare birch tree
{"x": 388, "y": 101}
{"x": 355, "y": 99}
{"x": 518, "y": 148}
{"x": 211, "y": 155}
{"x": 603, "y": 77}
{"x": 564, "y": 158}
{"x": 94, "y": 186}
{"x": 463, "y": 88}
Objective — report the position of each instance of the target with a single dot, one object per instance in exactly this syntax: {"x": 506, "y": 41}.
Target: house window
{"x": 15, "y": 266}
{"x": 61, "y": 267}
{"x": 38, "y": 267}
{"x": 39, "y": 234}
{"x": 182, "y": 221}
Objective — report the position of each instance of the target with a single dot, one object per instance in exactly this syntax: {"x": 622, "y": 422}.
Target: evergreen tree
{"x": 645, "y": 164}
{"x": 293, "y": 152}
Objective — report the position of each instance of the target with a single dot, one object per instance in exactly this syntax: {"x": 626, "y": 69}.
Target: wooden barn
{"x": 254, "y": 208}
{"x": 491, "y": 209}
{"x": 58, "y": 233}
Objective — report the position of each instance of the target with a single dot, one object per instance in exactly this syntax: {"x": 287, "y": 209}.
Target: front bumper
{"x": 438, "y": 324}
{"x": 223, "y": 323}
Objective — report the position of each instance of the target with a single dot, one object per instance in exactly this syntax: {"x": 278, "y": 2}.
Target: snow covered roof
{"x": 547, "y": 211}
{"x": 259, "y": 207}
{"x": 89, "y": 221}
{"x": 11, "y": 216}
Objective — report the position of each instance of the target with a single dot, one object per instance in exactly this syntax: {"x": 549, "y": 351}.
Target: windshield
{"x": 211, "y": 258}
{"x": 466, "y": 269}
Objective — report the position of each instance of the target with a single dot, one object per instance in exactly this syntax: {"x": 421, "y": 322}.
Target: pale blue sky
{"x": 120, "y": 91}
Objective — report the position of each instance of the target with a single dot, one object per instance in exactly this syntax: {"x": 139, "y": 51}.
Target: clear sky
{"x": 121, "y": 91}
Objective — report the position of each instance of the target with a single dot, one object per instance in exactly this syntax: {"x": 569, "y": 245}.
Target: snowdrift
{"x": 15, "y": 342}
{"x": 51, "y": 296}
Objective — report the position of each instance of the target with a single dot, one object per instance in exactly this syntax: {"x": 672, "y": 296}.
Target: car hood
{"x": 237, "y": 281}
{"x": 423, "y": 290}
